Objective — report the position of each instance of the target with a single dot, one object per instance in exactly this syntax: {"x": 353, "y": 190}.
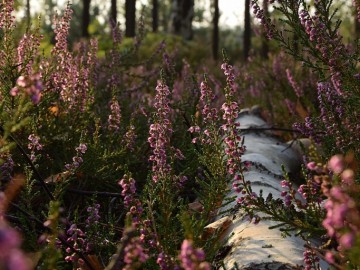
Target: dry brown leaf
{"x": 57, "y": 177}
{"x": 302, "y": 112}
{"x": 54, "y": 110}
{"x": 196, "y": 206}
{"x": 218, "y": 226}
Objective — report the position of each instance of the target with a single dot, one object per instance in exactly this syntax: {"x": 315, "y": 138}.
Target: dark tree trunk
{"x": 357, "y": 26}
{"x": 264, "y": 40}
{"x": 28, "y": 14}
{"x": 86, "y": 18}
{"x": 155, "y": 15}
{"x": 247, "y": 30}
{"x": 181, "y": 18}
{"x": 113, "y": 12}
{"x": 215, "y": 37}
{"x": 130, "y": 18}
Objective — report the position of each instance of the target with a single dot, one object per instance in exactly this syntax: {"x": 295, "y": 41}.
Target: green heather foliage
{"x": 116, "y": 153}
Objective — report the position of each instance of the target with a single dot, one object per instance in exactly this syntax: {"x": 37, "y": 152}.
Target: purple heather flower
{"x": 298, "y": 91}
{"x": 135, "y": 254}
{"x": 160, "y": 133}
{"x": 114, "y": 118}
{"x": 191, "y": 258}
{"x": 77, "y": 160}
{"x": 30, "y": 85}
{"x": 6, "y": 18}
{"x": 336, "y": 164}
{"x": 94, "y": 216}
{"x": 11, "y": 256}
{"x": 347, "y": 240}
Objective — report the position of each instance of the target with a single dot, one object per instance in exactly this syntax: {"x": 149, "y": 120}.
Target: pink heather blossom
{"x": 130, "y": 137}
{"x": 34, "y": 142}
{"x": 329, "y": 256}
{"x": 114, "y": 118}
{"x": 336, "y": 164}
{"x": 209, "y": 114}
{"x": 34, "y": 146}
{"x": 6, "y": 18}
{"x": 311, "y": 165}
{"x": 77, "y": 239}
{"x": 324, "y": 42}
{"x": 260, "y": 15}
{"x": 116, "y": 32}
{"x": 298, "y": 91}
{"x": 128, "y": 185}
{"x": 73, "y": 73}
{"x": 11, "y": 256}
{"x": 191, "y": 258}
{"x": 347, "y": 240}
{"x": 30, "y": 85}
{"x": 94, "y": 216}
{"x": 61, "y": 30}
{"x": 342, "y": 216}
{"x": 135, "y": 254}
{"x": 28, "y": 47}
{"x": 231, "y": 111}
{"x": 77, "y": 160}
{"x": 160, "y": 133}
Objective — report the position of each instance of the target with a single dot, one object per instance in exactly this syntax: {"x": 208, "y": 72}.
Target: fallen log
{"x": 246, "y": 245}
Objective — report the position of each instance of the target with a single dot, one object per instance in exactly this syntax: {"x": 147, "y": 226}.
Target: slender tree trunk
{"x": 264, "y": 40}
{"x": 86, "y": 18}
{"x": 357, "y": 26}
{"x": 113, "y": 12}
{"x": 181, "y": 18}
{"x": 187, "y": 17}
{"x": 28, "y": 14}
{"x": 215, "y": 36}
{"x": 155, "y": 15}
{"x": 247, "y": 30}
{"x": 130, "y": 18}
{"x": 176, "y": 17}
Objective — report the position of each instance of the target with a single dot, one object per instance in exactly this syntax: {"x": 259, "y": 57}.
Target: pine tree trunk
{"x": 357, "y": 27}
{"x": 155, "y": 15}
{"x": 247, "y": 31}
{"x": 130, "y": 18}
{"x": 264, "y": 40}
{"x": 113, "y": 12}
{"x": 215, "y": 36}
{"x": 28, "y": 13}
{"x": 181, "y": 18}
{"x": 86, "y": 18}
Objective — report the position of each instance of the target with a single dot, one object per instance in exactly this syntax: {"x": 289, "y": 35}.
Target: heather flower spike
{"x": 160, "y": 133}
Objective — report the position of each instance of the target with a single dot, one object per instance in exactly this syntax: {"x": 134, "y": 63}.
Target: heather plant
{"x": 323, "y": 51}
{"x": 335, "y": 63}
{"x": 59, "y": 100}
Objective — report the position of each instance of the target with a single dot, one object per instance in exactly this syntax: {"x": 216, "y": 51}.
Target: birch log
{"x": 251, "y": 246}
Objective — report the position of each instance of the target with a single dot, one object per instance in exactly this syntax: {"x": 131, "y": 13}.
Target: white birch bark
{"x": 253, "y": 246}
